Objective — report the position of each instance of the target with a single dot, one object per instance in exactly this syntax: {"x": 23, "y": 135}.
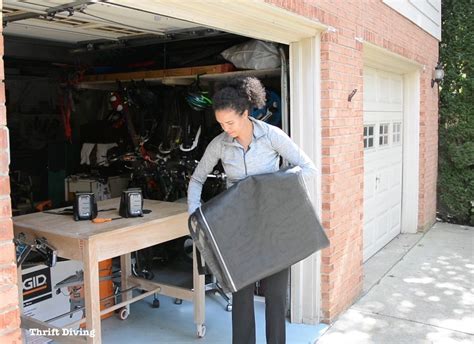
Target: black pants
{"x": 243, "y": 318}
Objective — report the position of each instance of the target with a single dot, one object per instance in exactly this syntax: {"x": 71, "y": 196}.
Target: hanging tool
{"x": 66, "y": 108}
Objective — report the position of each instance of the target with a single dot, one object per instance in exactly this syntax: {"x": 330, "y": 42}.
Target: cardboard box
{"x": 40, "y": 300}
{"x": 102, "y": 191}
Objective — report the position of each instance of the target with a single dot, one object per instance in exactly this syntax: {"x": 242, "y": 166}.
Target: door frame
{"x": 305, "y": 130}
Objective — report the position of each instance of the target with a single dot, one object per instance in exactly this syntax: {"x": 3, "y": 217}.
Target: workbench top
{"x": 64, "y": 225}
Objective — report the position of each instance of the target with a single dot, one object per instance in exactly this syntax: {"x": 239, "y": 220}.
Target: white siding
{"x": 424, "y": 13}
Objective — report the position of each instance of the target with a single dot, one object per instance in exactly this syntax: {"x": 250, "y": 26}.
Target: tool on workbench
{"x": 102, "y": 220}
{"x": 131, "y": 203}
{"x": 69, "y": 211}
{"x": 85, "y": 206}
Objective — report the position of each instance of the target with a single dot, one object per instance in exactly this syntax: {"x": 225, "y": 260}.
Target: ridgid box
{"x": 51, "y": 292}
{"x": 41, "y": 300}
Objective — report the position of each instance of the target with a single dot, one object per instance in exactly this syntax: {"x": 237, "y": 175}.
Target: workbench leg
{"x": 19, "y": 277}
{"x": 199, "y": 298}
{"x": 125, "y": 273}
{"x": 91, "y": 292}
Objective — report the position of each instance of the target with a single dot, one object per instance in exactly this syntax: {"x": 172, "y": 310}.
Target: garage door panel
{"x": 383, "y": 91}
{"x": 383, "y": 225}
{"x": 396, "y": 92}
{"x": 383, "y": 104}
{"x": 370, "y": 90}
{"x": 395, "y": 217}
{"x": 396, "y": 179}
{"x": 369, "y": 186}
{"x": 369, "y": 235}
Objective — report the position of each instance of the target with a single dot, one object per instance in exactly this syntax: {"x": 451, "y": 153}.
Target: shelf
{"x": 176, "y": 76}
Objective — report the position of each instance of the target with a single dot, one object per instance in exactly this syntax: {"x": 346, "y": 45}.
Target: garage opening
{"x": 102, "y": 98}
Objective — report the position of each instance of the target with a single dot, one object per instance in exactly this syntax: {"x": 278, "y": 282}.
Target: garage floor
{"x": 174, "y": 324}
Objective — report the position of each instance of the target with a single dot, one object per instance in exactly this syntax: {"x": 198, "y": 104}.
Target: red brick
{"x": 9, "y": 297}
{"x": 4, "y": 186}
{"x": 11, "y": 337}
{"x": 4, "y": 139}
{"x": 3, "y": 115}
{"x": 7, "y": 252}
{"x": 8, "y": 275}
{"x": 10, "y": 319}
{"x": 4, "y": 161}
{"x": 5, "y": 207}
{"x": 6, "y": 229}
{"x": 2, "y": 92}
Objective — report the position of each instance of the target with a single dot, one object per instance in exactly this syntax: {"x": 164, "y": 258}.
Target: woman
{"x": 249, "y": 147}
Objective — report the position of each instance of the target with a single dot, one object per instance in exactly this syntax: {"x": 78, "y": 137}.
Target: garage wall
{"x": 9, "y": 311}
{"x": 352, "y": 23}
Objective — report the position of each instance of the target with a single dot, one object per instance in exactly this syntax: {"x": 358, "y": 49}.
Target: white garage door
{"x": 383, "y": 116}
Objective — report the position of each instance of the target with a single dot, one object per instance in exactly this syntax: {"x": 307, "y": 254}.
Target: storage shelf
{"x": 176, "y": 76}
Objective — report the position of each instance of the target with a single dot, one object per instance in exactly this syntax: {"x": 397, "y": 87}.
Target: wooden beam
{"x": 161, "y": 73}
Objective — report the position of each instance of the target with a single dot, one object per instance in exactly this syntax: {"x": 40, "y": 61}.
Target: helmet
{"x": 198, "y": 100}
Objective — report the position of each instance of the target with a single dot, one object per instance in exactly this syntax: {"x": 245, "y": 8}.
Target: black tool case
{"x": 259, "y": 226}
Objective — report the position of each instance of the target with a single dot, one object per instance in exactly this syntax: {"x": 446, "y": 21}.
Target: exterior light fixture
{"x": 438, "y": 75}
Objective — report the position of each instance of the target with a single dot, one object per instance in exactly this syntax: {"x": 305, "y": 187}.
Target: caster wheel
{"x": 156, "y": 303}
{"x": 178, "y": 301}
{"x": 201, "y": 331}
{"x": 124, "y": 313}
{"x": 229, "y": 308}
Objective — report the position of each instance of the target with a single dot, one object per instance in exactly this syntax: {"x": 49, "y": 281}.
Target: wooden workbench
{"x": 91, "y": 243}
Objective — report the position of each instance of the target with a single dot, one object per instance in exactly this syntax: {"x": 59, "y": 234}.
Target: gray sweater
{"x": 262, "y": 156}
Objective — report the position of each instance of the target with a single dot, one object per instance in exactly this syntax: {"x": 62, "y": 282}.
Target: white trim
{"x": 411, "y": 148}
{"x": 380, "y": 58}
{"x": 305, "y": 130}
{"x": 410, "y": 70}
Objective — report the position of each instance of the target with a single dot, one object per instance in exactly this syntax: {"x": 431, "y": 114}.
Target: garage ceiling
{"x": 89, "y": 21}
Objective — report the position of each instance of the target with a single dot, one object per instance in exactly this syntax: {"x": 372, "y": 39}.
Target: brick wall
{"x": 9, "y": 311}
{"x": 342, "y": 123}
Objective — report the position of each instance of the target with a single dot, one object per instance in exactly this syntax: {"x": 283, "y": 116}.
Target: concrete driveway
{"x": 418, "y": 289}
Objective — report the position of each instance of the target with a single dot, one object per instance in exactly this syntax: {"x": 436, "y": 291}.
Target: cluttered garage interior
{"x": 109, "y": 109}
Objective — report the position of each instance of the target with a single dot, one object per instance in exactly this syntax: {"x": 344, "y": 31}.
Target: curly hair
{"x": 240, "y": 94}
